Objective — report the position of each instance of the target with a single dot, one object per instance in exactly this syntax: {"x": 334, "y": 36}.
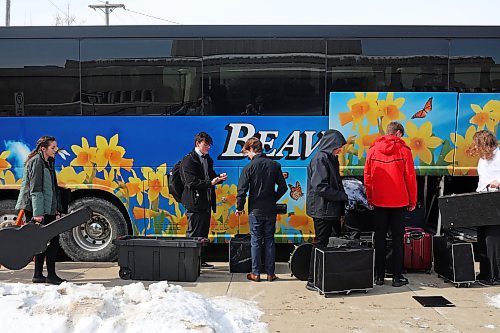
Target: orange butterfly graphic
{"x": 296, "y": 191}
{"x": 427, "y": 108}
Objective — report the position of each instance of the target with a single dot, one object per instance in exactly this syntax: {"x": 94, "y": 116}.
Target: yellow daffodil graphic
{"x": 108, "y": 182}
{"x": 68, "y": 176}
{"x": 302, "y": 222}
{"x": 8, "y": 178}
{"x": 111, "y": 153}
{"x": 359, "y": 107}
{"x": 85, "y": 156}
{"x": 365, "y": 140}
{"x": 156, "y": 183}
{"x": 134, "y": 188}
{"x": 347, "y": 149}
{"x": 390, "y": 109}
{"x": 464, "y": 161}
{"x": 420, "y": 140}
{"x": 4, "y": 165}
{"x": 482, "y": 118}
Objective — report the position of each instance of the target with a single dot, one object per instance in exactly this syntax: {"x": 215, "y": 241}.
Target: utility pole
{"x": 107, "y": 8}
{"x": 7, "y": 13}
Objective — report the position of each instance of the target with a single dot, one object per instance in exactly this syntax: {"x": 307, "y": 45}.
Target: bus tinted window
{"x": 475, "y": 65}
{"x": 267, "y": 77}
{"x": 388, "y": 64}
{"x": 140, "y": 76}
{"x": 44, "y": 72}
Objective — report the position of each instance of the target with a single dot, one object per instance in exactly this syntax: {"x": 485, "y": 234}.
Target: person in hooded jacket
{"x": 391, "y": 187}
{"x": 40, "y": 198}
{"x": 326, "y": 197}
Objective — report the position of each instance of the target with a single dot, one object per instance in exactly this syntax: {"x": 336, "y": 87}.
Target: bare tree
{"x": 67, "y": 18}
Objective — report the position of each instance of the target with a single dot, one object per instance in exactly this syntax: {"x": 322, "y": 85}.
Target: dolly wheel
{"x": 124, "y": 273}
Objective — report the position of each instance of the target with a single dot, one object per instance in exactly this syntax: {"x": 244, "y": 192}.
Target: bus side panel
{"x": 130, "y": 157}
{"x": 477, "y": 111}
{"x": 428, "y": 118}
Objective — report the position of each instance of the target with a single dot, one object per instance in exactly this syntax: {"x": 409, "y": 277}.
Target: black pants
{"x": 323, "y": 229}
{"x": 488, "y": 242}
{"x": 50, "y": 254}
{"x": 198, "y": 226}
{"x": 385, "y": 218}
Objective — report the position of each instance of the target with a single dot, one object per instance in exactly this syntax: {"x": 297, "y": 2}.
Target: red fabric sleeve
{"x": 367, "y": 173}
{"x": 410, "y": 178}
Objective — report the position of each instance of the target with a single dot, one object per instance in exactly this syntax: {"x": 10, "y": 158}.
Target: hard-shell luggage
{"x": 454, "y": 261}
{"x": 461, "y": 210}
{"x": 417, "y": 250}
{"x": 343, "y": 269}
{"x": 240, "y": 255}
{"x": 159, "y": 258}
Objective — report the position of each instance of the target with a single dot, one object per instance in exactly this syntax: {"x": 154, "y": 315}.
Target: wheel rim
{"x": 93, "y": 235}
{"x": 7, "y": 220}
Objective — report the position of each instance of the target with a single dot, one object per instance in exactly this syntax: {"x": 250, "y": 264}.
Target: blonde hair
{"x": 484, "y": 143}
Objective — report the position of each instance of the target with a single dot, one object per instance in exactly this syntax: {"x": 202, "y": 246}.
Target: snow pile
{"x": 495, "y": 301}
{"x": 132, "y": 308}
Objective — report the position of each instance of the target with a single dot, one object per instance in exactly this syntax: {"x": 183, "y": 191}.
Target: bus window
{"x": 127, "y": 76}
{"x": 475, "y": 65}
{"x": 43, "y": 74}
{"x": 264, "y": 77}
{"x": 387, "y": 64}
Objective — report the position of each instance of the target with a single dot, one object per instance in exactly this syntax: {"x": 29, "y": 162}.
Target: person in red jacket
{"x": 391, "y": 187}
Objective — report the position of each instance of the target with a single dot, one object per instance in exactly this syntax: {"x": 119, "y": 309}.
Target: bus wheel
{"x": 8, "y": 214}
{"x": 91, "y": 241}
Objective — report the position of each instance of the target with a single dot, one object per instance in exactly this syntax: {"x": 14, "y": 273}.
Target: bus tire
{"x": 8, "y": 214}
{"x": 92, "y": 241}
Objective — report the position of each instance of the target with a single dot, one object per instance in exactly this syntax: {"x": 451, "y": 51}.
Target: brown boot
{"x": 271, "y": 277}
{"x": 253, "y": 277}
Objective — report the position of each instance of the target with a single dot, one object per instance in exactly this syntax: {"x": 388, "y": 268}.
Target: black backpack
{"x": 176, "y": 182}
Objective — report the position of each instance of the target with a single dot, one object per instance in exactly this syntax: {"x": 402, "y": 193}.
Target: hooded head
{"x": 332, "y": 139}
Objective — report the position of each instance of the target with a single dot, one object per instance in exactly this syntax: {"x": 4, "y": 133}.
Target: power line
{"x": 139, "y": 13}
{"x": 53, "y": 4}
{"x": 158, "y": 18}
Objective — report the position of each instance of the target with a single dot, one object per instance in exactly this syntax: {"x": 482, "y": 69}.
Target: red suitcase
{"x": 417, "y": 250}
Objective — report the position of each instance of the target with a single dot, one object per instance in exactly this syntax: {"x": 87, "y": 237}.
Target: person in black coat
{"x": 326, "y": 197}
{"x": 199, "y": 179}
{"x": 260, "y": 178}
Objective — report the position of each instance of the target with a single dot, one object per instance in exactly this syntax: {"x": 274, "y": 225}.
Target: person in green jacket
{"x": 41, "y": 200}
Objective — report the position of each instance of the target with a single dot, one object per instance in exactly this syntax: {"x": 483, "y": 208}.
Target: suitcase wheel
{"x": 125, "y": 273}
{"x": 462, "y": 285}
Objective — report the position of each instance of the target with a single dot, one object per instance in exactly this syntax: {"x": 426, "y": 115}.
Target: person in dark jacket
{"x": 40, "y": 199}
{"x": 198, "y": 197}
{"x": 325, "y": 194}
{"x": 260, "y": 178}
{"x": 391, "y": 187}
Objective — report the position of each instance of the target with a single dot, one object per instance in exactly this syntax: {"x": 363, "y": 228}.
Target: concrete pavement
{"x": 289, "y": 307}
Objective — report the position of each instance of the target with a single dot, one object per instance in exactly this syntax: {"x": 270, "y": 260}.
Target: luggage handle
{"x": 416, "y": 235}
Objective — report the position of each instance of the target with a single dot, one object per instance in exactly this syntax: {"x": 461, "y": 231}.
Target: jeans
{"x": 262, "y": 229}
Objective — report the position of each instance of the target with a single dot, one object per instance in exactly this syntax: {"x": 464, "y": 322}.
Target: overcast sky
{"x": 356, "y": 12}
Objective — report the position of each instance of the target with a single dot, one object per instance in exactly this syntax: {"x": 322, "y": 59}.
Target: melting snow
{"x": 132, "y": 308}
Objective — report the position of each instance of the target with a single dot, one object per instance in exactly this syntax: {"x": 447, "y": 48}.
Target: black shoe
{"x": 310, "y": 286}
{"x": 489, "y": 282}
{"x": 54, "y": 280}
{"x": 379, "y": 281}
{"x": 205, "y": 265}
{"x": 399, "y": 281}
{"x": 39, "y": 279}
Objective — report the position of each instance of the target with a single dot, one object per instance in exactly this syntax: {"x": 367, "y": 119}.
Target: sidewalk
{"x": 289, "y": 307}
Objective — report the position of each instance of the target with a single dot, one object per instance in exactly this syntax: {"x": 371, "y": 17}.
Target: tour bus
{"x": 125, "y": 103}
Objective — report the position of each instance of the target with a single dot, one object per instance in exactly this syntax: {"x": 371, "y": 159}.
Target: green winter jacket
{"x": 39, "y": 192}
